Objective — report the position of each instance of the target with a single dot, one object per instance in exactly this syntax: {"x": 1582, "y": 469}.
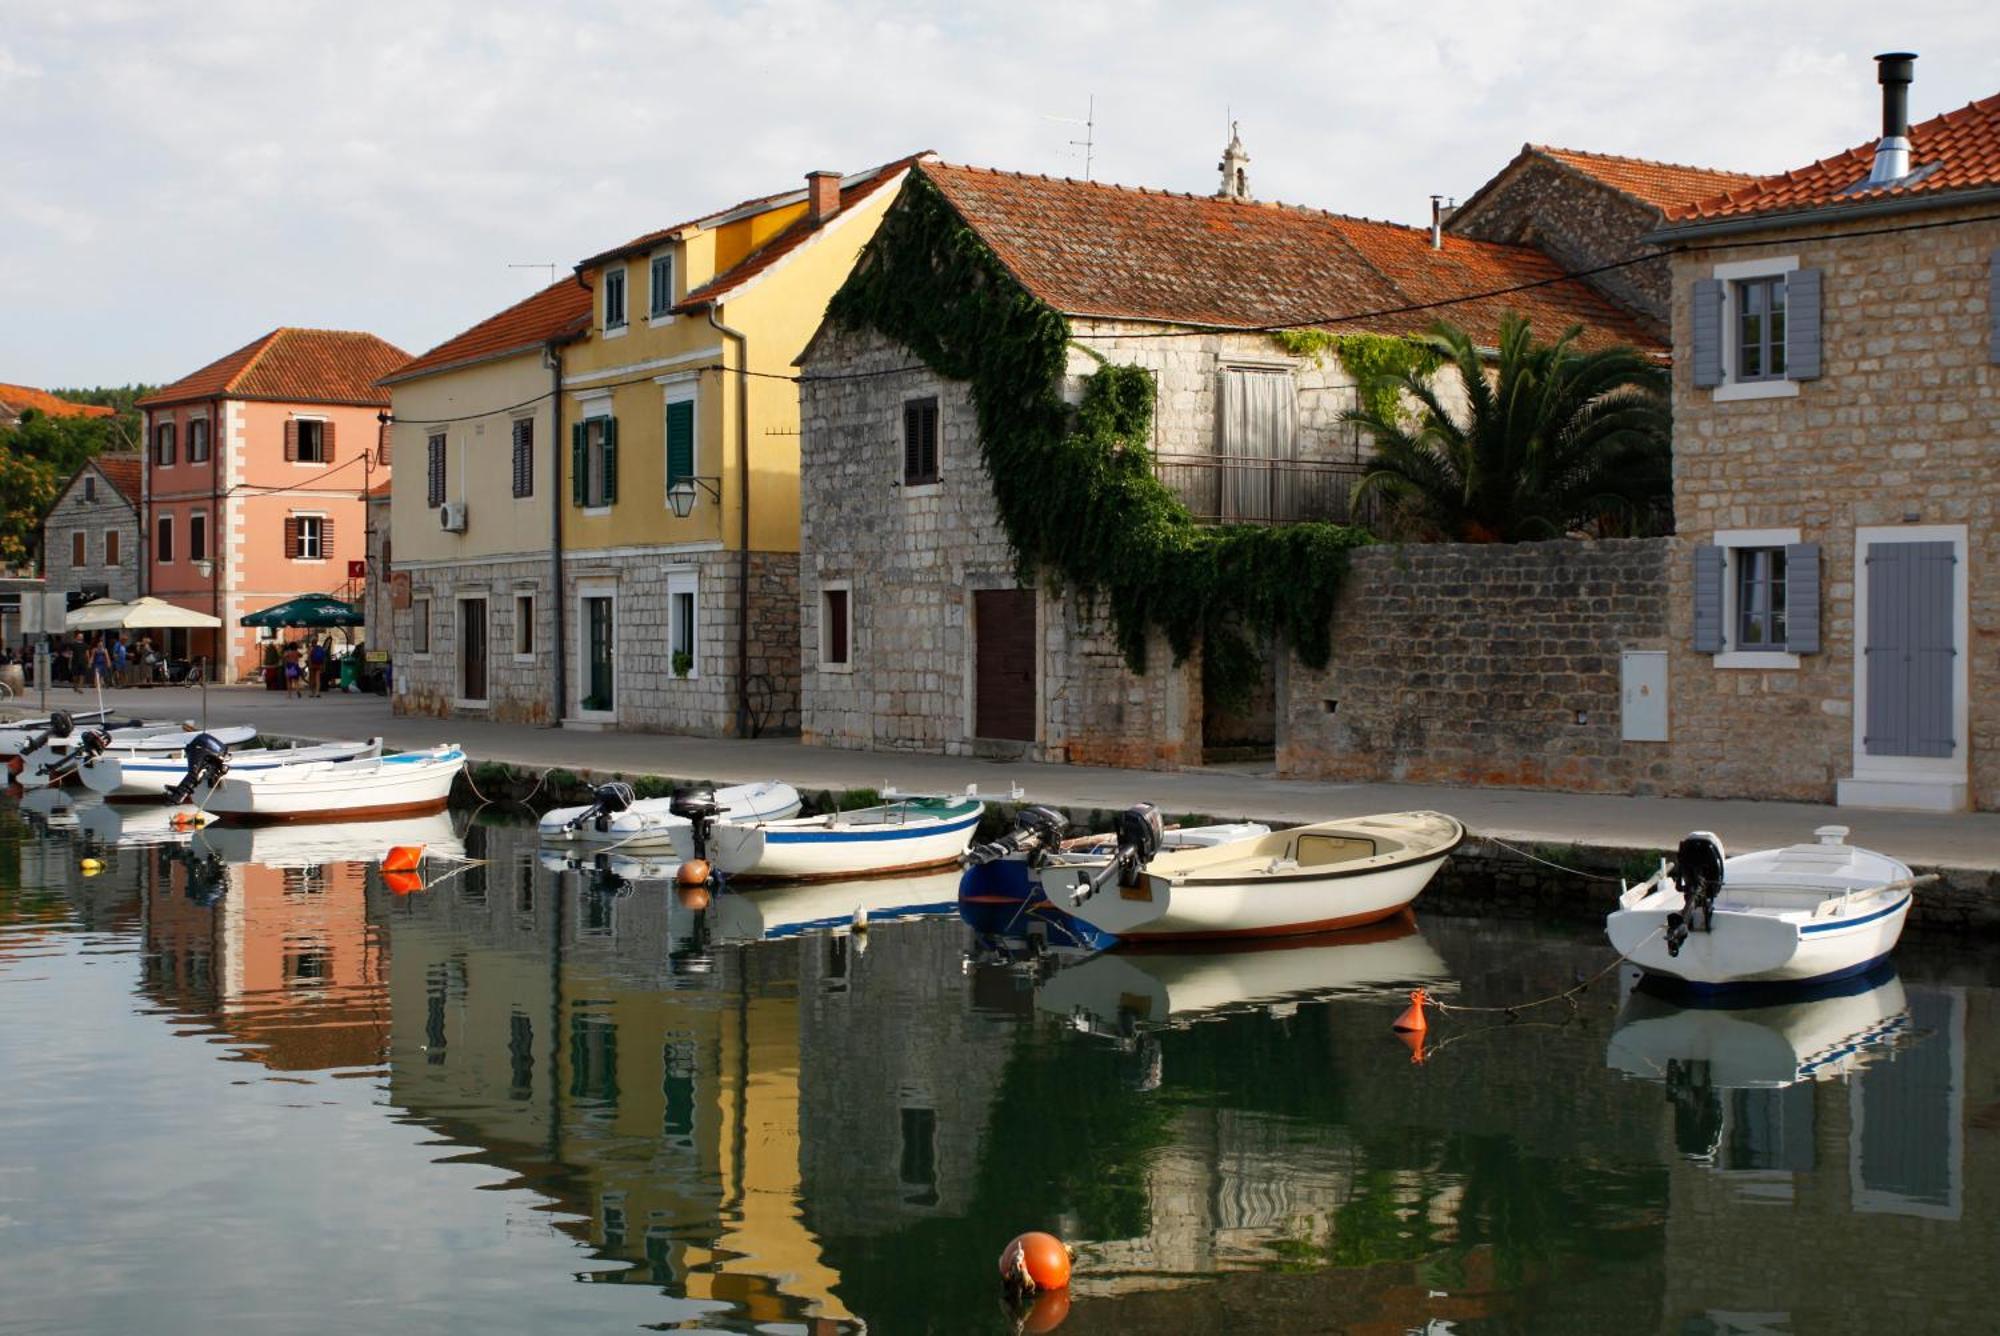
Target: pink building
{"x": 256, "y": 469}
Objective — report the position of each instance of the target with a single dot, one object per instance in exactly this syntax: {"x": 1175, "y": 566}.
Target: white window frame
{"x": 1730, "y": 273}
{"x": 420, "y": 628}
{"x": 684, "y": 580}
{"x": 605, "y": 276}
{"x": 580, "y": 686}
{"x": 598, "y": 405}
{"x": 302, "y": 419}
{"x": 524, "y": 616}
{"x": 201, "y": 515}
{"x": 208, "y": 437}
{"x": 318, "y": 517}
{"x": 829, "y": 587}
{"x": 1731, "y": 541}
{"x": 680, "y": 387}
{"x": 172, "y": 428}
{"x": 658, "y": 312}
{"x": 163, "y": 525}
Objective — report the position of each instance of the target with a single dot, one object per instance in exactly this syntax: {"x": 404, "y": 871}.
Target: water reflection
{"x": 750, "y": 1113}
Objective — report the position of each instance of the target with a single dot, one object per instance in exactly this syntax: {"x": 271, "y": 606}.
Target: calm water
{"x": 248, "y": 1087}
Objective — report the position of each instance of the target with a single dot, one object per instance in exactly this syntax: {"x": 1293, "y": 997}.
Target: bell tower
{"x": 1235, "y": 168}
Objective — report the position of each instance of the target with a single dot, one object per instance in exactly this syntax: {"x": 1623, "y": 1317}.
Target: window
{"x": 111, "y": 547}
{"x": 680, "y": 439}
{"x": 682, "y": 644}
{"x": 524, "y": 457}
{"x": 163, "y": 444}
{"x": 309, "y": 441}
{"x": 89, "y": 487}
{"x": 76, "y": 554}
{"x": 662, "y": 286}
{"x": 198, "y": 536}
{"x": 524, "y": 626}
{"x": 434, "y": 470}
{"x": 308, "y": 537}
{"x": 163, "y": 545}
{"x": 920, "y": 441}
{"x": 836, "y": 627}
{"x": 420, "y": 626}
{"x": 614, "y": 298}
{"x": 594, "y": 462}
{"x": 1756, "y": 598}
{"x": 1760, "y": 597}
{"x": 1760, "y": 328}
{"x": 198, "y": 441}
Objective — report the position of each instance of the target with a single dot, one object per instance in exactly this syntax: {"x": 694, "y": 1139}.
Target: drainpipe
{"x": 743, "y": 524}
{"x": 552, "y": 354}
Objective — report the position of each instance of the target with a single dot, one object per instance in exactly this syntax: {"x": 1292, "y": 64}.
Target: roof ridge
{"x": 262, "y": 346}
{"x": 1601, "y": 156}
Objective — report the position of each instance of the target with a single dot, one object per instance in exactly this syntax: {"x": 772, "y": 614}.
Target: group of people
{"x": 308, "y": 667}
{"x": 105, "y": 660}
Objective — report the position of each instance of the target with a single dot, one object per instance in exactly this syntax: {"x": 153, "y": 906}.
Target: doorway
{"x": 600, "y": 645}
{"x": 1003, "y": 699}
{"x": 472, "y": 650}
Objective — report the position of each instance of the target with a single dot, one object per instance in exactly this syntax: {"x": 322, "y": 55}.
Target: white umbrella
{"x": 141, "y": 613}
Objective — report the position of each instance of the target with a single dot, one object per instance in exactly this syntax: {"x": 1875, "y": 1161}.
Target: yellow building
{"x": 680, "y": 531}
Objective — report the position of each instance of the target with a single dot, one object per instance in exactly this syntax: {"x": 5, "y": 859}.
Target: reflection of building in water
{"x": 1772, "y": 1188}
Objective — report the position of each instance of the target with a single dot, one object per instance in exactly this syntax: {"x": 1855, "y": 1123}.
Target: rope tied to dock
{"x": 1536, "y": 858}
{"x": 1569, "y": 994}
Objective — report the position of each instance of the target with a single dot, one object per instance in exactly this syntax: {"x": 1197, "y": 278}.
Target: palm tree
{"x": 1551, "y": 440}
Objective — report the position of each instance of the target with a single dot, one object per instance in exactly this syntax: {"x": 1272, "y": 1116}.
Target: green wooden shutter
{"x": 680, "y": 441}
{"x": 578, "y": 479}
{"x": 610, "y": 460}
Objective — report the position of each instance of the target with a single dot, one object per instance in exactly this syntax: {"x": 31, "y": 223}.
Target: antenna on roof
{"x": 531, "y": 265}
{"x": 1089, "y": 141}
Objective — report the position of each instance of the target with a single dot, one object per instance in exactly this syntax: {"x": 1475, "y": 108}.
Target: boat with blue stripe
{"x": 900, "y": 835}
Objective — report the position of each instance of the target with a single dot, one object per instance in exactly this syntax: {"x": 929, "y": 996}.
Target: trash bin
{"x": 347, "y": 673}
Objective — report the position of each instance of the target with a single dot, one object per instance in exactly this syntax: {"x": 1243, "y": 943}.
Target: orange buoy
{"x": 1412, "y": 1020}
{"x": 1414, "y": 1041}
{"x": 403, "y": 883}
{"x": 694, "y": 872}
{"x": 403, "y": 858}
{"x": 1034, "y": 1261}
{"x": 1045, "y": 1314}
{"x": 188, "y": 820}
{"x": 693, "y": 897}
{"x": 15, "y": 765}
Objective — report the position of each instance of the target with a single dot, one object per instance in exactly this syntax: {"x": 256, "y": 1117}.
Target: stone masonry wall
{"x": 518, "y": 691}
{"x": 1482, "y": 665}
{"x": 108, "y": 512}
{"x": 1902, "y": 427}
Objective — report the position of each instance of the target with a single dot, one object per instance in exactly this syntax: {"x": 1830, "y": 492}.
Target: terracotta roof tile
{"x": 1121, "y": 253}
{"x": 323, "y": 366}
{"x": 647, "y": 240}
{"x": 1664, "y": 185}
{"x": 560, "y": 309}
{"x": 122, "y": 472}
{"x": 17, "y": 399}
{"x": 1959, "y": 150}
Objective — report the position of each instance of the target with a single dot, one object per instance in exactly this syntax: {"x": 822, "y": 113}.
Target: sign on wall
{"x": 357, "y": 569}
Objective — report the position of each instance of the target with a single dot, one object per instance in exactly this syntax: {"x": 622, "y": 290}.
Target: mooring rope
{"x": 1568, "y": 994}
{"x": 1533, "y": 858}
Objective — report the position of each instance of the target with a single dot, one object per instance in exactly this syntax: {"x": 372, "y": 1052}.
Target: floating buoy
{"x": 1412, "y": 1020}
{"x": 1414, "y": 1041}
{"x": 694, "y": 897}
{"x": 1033, "y": 1262}
{"x": 188, "y": 820}
{"x": 15, "y": 765}
{"x": 90, "y": 867}
{"x": 403, "y": 883}
{"x": 403, "y": 858}
{"x": 694, "y": 872}
{"x": 1045, "y": 1314}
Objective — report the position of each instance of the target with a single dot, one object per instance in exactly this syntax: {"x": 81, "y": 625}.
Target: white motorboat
{"x": 23, "y": 734}
{"x": 1799, "y": 914}
{"x": 405, "y": 783}
{"x": 769, "y": 913}
{"x": 902, "y": 835}
{"x": 1317, "y": 878}
{"x": 60, "y": 757}
{"x": 314, "y": 844}
{"x": 614, "y": 816}
{"x": 149, "y": 775}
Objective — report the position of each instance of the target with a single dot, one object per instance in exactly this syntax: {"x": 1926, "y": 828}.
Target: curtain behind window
{"x": 1259, "y": 411}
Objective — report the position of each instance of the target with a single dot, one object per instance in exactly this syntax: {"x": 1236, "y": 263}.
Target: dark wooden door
{"x": 472, "y": 647}
{"x": 1003, "y": 700}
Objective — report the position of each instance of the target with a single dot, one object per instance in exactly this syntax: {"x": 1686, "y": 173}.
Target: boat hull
{"x": 138, "y": 777}
{"x": 818, "y": 848}
{"x": 1816, "y": 1035}
{"x": 649, "y": 824}
{"x": 1748, "y": 950}
{"x": 407, "y": 784}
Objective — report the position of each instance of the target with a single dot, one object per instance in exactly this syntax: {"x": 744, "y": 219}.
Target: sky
{"x": 180, "y": 178}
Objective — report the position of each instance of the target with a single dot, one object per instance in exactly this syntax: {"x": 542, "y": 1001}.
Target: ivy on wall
{"x": 1377, "y": 362}
{"x": 1074, "y": 485}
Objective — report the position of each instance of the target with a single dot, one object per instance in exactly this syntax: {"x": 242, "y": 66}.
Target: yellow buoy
{"x": 91, "y": 866}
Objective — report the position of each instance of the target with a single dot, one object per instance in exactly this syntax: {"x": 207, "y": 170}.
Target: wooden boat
{"x": 60, "y": 757}
{"x": 902, "y": 835}
{"x": 1317, "y": 878}
{"x": 614, "y": 816}
{"x": 1800, "y": 914}
{"x": 405, "y": 783}
{"x": 317, "y": 843}
{"x": 22, "y": 735}
{"x": 126, "y": 775}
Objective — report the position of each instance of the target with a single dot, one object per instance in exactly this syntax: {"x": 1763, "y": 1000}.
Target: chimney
{"x": 1892, "y": 155}
{"x": 822, "y": 195}
{"x": 1441, "y": 212}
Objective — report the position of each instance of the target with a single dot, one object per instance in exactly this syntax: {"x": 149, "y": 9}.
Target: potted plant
{"x": 683, "y": 663}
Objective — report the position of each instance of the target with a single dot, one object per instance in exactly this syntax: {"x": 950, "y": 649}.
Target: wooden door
{"x": 1911, "y": 593}
{"x": 472, "y": 648}
{"x": 1004, "y": 659}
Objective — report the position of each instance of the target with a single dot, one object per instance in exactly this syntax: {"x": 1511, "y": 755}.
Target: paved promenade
{"x": 1969, "y": 841}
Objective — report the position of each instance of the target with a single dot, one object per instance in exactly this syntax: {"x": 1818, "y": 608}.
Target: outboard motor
{"x": 1036, "y": 831}
{"x": 698, "y": 807}
{"x": 1140, "y": 835}
{"x": 207, "y": 762}
{"x": 1698, "y": 877}
{"x": 88, "y": 748}
{"x": 606, "y": 801}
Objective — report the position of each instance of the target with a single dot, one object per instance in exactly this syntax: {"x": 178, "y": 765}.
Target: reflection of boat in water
{"x": 1124, "y": 990}
{"x": 125, "y": 825}
{"x": 1809, "y": 1035}
{"x": 317, "y": 843}
{"x": 771, "y": 912}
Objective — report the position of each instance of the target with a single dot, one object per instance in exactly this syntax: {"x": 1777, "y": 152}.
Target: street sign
{"x": 357, "y": 570}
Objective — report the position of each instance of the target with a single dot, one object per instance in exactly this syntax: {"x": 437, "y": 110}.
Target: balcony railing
{"x": 1244, "y": 489}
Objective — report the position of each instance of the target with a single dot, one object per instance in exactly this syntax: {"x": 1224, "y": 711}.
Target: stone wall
{"x": 1482, "y": 665}
{"x": 108, "y": 511}
{"x": 1580, "y": 223}
{"x": 519, "y": 690}
{"x": 1899, "y": 430}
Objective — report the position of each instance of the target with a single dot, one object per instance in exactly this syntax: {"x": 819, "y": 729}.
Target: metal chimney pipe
{"x": 1895, "y": 70}
{"x": 1437, "y": 222}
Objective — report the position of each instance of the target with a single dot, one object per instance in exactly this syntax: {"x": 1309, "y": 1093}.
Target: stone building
{"x": 1588, "y": 211}
{"x": 919, "y": 631}
{"x": 1837, "y": 473}
{"x": 90, "y": 537}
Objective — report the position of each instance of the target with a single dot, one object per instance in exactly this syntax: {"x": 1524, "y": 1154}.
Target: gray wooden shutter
{"x": 1708, "y": 599}
{"x": 579, "y": 494}
{"x": 1993, "y": 307}
{"x": 1909, "y": 711}
{"x": 610, "y": 460}
{"x": 1802, "y": 307}
{"x": 291, "y": 440}
{"x": 1705, "y": 321}
{"x": 1802, "y": 598}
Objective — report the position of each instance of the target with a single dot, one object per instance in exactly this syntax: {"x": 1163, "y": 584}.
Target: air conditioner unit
{"x": 451, "y": 517}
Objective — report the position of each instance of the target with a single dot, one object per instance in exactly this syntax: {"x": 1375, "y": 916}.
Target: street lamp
{"x": 204, "y": 568}
{"x": 681, "y": 495}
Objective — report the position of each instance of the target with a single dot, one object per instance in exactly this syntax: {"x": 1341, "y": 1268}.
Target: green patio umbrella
{"x": 309, "y": 610}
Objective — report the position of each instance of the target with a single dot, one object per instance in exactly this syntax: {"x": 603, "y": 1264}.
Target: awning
{"x": 105, "y": 614}
{"x": 308, "y": 610}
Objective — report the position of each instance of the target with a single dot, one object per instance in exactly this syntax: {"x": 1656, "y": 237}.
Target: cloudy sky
{"x": 181, "y": 177}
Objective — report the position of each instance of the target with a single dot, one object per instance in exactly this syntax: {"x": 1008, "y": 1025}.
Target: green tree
{"x": 37, "y": 456}
{"x": 1550, "y": 440}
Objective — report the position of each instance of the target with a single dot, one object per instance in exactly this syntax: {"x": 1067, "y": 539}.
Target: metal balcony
{"x": 1243, "y": 489}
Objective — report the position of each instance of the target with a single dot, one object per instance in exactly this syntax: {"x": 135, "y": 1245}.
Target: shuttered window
{"x": 434, "y": 470}
{"x": 198, "y": 537}
{"x": 662, "y": 287}
{"x": 1760, "y": 597}
{"x": 594, "y": 462}
{"x": 920, "y": 441}
{"x": 163, "y": 540}
{"x": 76, "y": 548}
{"x": 163, "y": 444}
{"x": 111, "y": 547}
{"x": 1756, "y": 598}
{"x": 524, "y": 457}
{"x": 1760, "y": 329}
{"x": 198, "y": 441}
{"x": 1763, "y": 327}
{"x": 614, "y": 297}
{"x": 308, "y": 537}
{"x": 309, "y": 441}
{"x": 680, "y": 440}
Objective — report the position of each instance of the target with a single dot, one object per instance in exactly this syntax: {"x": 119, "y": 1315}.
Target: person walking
{"x": 100, "y": 664}
{"x": 74, "y": 662}
{"x": 293, "y": 668}
{"x": 316, "y": 662}
{"x": 120, "y": 662}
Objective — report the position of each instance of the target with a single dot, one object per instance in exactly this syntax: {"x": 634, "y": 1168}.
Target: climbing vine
{"x": 1376, "y": 361}
{"x": 1074, "y": 484}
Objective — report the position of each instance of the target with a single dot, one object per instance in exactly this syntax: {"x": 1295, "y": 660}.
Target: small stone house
{"x": 1837, "y": 472}
{"x": 919, "y": 632}
{"x": 90, "y": 537}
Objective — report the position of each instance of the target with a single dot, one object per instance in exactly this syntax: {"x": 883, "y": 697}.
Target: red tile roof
{"x": 1664, "y": 185}
{"x": 122, "y": 472}
{"x": 1120, "y": 253}
{"x": 1959, "y": 150}
{"x": 312, "y": 366}
{"x": 17, "y": 399}
{"x": 647, "y": 240}
{"x": 560, "y": 309}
